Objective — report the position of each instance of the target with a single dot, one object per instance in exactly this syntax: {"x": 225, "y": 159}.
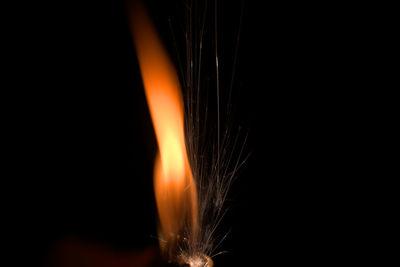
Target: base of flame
{"x": 200, "y": 260}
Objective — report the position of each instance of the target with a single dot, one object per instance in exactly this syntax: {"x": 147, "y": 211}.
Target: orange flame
{"x": 174, "y": 187}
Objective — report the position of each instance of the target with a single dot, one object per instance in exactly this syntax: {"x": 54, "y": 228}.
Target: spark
{"x": 188, "y": 237}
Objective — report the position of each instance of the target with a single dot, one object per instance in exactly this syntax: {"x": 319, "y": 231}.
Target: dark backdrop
{"x": 90, "y": 143}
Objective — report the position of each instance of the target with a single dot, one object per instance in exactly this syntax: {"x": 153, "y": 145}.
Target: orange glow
{"x": 174, "y": 186}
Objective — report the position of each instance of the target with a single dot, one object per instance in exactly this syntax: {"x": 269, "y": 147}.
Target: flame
{"x": 175, "y": 190}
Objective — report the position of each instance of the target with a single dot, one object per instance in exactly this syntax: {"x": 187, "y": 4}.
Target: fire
{"x": 174, "y": 186}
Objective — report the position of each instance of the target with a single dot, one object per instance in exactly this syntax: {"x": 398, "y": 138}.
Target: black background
{"x": 89, "y": 142}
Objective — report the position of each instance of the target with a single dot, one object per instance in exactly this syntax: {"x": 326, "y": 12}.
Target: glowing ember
{"x": 174, "y": 186}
